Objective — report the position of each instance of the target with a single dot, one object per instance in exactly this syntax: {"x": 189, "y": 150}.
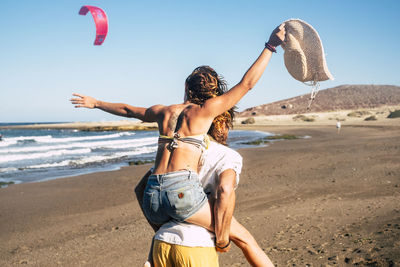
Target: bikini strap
{"x": 173, "y": 141}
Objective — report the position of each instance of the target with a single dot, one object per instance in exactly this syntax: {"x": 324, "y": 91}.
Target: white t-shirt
{"x": 216, "y": 159}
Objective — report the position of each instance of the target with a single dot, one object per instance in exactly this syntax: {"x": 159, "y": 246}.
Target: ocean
{"x": 32, "y": 155}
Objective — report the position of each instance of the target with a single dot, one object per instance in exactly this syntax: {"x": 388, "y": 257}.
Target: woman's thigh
{"x": 203, "y": 217}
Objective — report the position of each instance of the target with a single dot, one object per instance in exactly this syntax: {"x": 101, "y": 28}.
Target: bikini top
{"x": 201, "y": 141}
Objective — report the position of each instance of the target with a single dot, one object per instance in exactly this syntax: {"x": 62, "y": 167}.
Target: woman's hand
{"x": 277, "y": 35}
{"x": 217, "y": 105}
{"x": 119, "y": 109}
{"x": 83, "y": 101}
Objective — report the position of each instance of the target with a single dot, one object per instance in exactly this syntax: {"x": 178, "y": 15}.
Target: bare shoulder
{"x": 166, "y": 110}
{"x": 157, "y": 109}
{"x": 178, "y": 108}
{"x": 193, "y": 108}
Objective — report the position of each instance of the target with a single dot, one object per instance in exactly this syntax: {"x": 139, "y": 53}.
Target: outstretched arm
{"x": 215, "y": 106}
{"x": 119, "y": 109}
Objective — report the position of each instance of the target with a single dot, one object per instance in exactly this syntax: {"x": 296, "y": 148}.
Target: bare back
{"x": 185, "y": 120}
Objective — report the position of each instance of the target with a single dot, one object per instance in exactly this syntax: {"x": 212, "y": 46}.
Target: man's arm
{"x": 223, "y": 208}
{"x": 139, "y": 192}
{"x": 119, "y": 109}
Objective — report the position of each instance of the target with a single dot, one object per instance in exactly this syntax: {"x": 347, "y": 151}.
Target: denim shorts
{"x": 174, "y": 195}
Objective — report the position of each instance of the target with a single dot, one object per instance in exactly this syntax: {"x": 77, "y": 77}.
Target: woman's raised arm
{"x": 215, "y": 106}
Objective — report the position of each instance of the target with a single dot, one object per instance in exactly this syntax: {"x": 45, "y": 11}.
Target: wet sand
{"x": 329, "y": 200}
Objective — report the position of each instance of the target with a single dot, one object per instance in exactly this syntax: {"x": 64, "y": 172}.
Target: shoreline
{"x": 122, "y": 125}
{"x": 332, "y": 199}
{"x": 99, "y": 155}
{"x": 346, "y": 117}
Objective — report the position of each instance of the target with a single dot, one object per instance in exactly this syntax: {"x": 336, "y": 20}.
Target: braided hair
{"x": 202, "y": 84}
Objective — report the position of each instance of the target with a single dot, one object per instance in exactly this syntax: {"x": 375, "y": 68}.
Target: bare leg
{"x": 246, "y": 242}
{"x": 238, "y": 234}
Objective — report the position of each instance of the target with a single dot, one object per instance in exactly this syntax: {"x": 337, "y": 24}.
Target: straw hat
{"x": 304, "y": 55}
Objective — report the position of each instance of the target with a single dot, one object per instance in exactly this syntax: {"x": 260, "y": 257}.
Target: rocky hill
{"x": 343, "y": 97}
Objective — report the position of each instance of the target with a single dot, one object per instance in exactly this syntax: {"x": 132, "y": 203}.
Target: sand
{"x": 329, "y": 200}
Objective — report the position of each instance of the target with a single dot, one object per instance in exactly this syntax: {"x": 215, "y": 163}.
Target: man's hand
{"x": 223, "y": 247}
{"x": 83, "y": 101}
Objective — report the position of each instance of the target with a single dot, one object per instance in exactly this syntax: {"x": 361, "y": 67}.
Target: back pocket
{"x": 182, "y": 199}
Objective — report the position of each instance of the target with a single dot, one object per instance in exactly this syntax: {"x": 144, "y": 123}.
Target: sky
{"x": 47, "y": 51}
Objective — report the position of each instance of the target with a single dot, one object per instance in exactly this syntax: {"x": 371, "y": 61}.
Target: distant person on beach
{"x": 338, "y": 126}
{"x": 173, "y": 190}
{"x": 1, "y": 137}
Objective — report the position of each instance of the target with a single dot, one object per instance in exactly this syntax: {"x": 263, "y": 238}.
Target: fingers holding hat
{"x": 277, "y": 35}
{"x": 282, "y": 32}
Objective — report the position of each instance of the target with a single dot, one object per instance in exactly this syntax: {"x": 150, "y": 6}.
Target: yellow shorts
{"x": 167, "y": 255}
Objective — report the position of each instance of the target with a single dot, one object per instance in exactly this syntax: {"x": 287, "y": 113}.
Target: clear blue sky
{"x": 47, "y": 50}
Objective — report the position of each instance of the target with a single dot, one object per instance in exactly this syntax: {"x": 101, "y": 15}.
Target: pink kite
{"x": 100, "y": 19}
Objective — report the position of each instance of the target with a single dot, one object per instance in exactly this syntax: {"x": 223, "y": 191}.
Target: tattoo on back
{"x": 172, "y": 121}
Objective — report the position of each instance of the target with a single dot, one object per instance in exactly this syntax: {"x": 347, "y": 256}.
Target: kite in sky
{"x": 100, "y": 20}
